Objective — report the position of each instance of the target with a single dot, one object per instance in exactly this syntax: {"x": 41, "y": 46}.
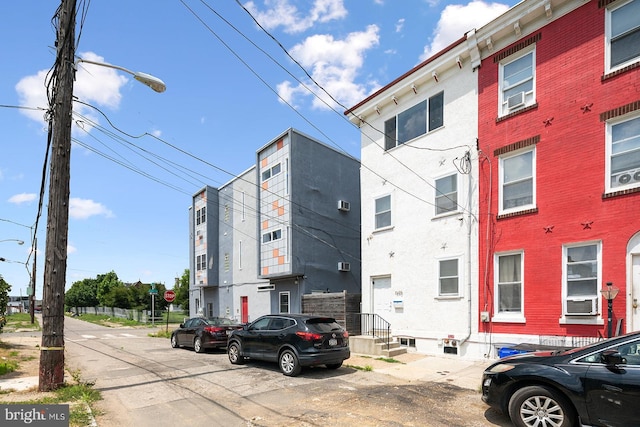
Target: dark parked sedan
{"x": 202, "y": 333}
{"x": 596, "y": 385}
{"x": 291, "y": 340}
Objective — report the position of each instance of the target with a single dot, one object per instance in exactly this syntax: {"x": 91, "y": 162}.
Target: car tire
{"x": 197, "y": 345}
{"x": 333, "y": 365}
{"x": 537, "y": 405}
{"x": 174, "y": 341}
{"x": 289, "y": 364}
{"x": 235, "y": 354}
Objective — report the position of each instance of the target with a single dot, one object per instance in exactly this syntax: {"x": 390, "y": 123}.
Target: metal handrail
{"x": 373, "y": 325}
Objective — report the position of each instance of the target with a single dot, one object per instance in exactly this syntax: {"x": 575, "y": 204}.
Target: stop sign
{"x": 169, "y": 296}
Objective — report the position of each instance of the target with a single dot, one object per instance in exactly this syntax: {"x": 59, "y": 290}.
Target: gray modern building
{"x": 287, "y": 226}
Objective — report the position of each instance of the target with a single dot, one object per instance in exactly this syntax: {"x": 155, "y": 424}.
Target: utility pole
{"x": 55, "y": 267}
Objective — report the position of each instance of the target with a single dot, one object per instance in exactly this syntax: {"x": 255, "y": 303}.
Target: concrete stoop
{"x": 366, "y": 344}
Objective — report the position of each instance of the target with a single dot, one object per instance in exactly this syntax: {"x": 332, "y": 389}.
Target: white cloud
{"x": 399, "y": 25}
{"x": 333, "y": 64}
{"x": 85, "y": 208}
{"x": 94, "y": 84}
{"x": 71, "y": 249}
{"x": 22, "y": 198}
{"x": 282, "y": 13}
{"x": 456, "y": 20}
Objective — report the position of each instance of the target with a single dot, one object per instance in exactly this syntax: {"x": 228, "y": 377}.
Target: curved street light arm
{"x": 147, "y": 79}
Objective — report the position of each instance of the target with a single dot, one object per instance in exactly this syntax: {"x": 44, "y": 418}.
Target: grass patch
{"x": 366, "y": 368}
{"x": 161, "y": 334}
{"x": 389, "y": 360}
{"x": 21, "y": 321}
{"x": 7, "y": 366}
{"x": 105, "y": 320}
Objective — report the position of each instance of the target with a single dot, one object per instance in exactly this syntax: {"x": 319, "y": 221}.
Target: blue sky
{"x": 138, "y": 156}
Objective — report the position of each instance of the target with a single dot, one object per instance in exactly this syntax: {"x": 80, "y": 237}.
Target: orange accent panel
{"x": 280, "y": 144}
{"x": 274, "y": 205}
{"x": 265, "y": 224}
{"x": 275, "y": 253}
{"x": 265, "y": 185}
{"x": 281, "y": 211}
{"x": 265, "y": 271}
{"x": 264, "y": 162}
{"x": 281, "y": 260}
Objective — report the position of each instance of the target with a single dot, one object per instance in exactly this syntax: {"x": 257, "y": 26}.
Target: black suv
{"x": 292, "y": 340}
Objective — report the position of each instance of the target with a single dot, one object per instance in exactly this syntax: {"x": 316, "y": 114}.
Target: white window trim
{"x": 435, "y": 191}
{"x": 607, "y": 41}
{"x": 508, "y": 317}
{"x": 288, "y": 302}
{"x": 501, "y": 210}
{"x": 596, "y": 319}
{"x": 375, "y": 214}
{"x": 459, "y": 294}
{"x": 530, "y": 49}
{"x": 608, "y": 150}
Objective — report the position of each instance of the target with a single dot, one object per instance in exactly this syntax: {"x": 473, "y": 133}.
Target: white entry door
{"x": 382, "y": 297}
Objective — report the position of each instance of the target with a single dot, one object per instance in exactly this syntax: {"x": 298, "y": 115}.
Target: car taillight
{"x": 213, "y": 329}
{"x": 345, "y": 334}
{"x": 309, "y": 336}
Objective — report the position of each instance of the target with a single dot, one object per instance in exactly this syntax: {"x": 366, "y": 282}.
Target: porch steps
{"x": 372, "y": 346}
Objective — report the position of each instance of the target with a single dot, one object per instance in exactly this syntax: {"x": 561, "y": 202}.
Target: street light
{"x": 147, "y": 79}
{"x": 20, "y": 242}
{"x": 609, "y": 293}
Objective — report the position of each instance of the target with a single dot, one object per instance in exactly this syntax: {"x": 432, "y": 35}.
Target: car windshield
{"x": 220, "y": 321}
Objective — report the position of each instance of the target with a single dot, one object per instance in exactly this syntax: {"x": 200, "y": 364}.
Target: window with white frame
{"x": 623, "y": 34}
{"x": 624, "y": 154}
{"x": 581, "y": 279}
{"x": 283, "y": 306}
{"x": 517, "y": 82}
{"x": 449, "y": 278}
{"x": 447, "y": 194}
{"x": 509, "y": 284}
{"x": 383, "y": 212}
{"x": 201, "y": 262}
{"x": 421, "y": 118}
{"x": 201, "y": 216}
{"x": 271, "y": 236}
{"x": 517, "y": 181}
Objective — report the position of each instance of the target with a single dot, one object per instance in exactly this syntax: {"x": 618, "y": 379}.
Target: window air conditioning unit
{"x": 344, "y": 266}
{"x": 581, "y": 307}
{"x": 343, "y": 205}
{"x": 516, "y": 100}
{"x": 626, "y": 177}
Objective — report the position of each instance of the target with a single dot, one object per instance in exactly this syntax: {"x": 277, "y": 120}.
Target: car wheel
{"x": 233, "y": 351}
{"x": 197, "y": 345}
{"x": 540, "y": 406}
{"x": 174, "y": 341}
{"x": 333, "y": 365}
{"x": 289, "y": 364}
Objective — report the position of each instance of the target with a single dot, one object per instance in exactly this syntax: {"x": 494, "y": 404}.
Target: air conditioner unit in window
{"x": 344, "y": 266}
{"x": 343, "y": 205}
{"x": 627, "y": 177}
{"x": 516, "y": 100}
{"x": 581, "y": 306}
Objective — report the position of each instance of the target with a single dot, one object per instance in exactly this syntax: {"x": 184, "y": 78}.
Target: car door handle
{"x": 612, "y": 388}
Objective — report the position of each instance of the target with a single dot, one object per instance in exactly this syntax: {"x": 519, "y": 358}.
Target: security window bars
{"x": 582, "y": 270}
{"x": 447, "y": 194}
{"x": 425, "y": 116}
{"x": 383, "y": 212}
{"x": 624, "y": 34}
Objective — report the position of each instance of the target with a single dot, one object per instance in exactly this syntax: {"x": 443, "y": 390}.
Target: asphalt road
{"x": 144, "y": 382}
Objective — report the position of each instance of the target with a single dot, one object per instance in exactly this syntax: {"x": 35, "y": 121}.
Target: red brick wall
{"x": 570, "y": 172}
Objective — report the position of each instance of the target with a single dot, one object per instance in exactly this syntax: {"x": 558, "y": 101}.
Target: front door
{"x": 634, "y": 323}
{"x": 382, "y": 297}
{"x": 244, "y": 309}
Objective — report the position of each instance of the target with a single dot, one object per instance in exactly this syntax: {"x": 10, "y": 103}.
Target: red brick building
{"x": 559, "y": 188}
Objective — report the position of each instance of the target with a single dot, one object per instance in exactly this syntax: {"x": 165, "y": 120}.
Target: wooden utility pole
{"x": 55, "y": 266}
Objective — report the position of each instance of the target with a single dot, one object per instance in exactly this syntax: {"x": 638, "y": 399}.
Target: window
{"x": 517, "y": 83}
{"x": 623, "y": 34}
{"x": 201, "y": 216}
{"x": 273, "y": 171}
{"x": 383, "y": 212}
{"x": 509, "y": 284}
{"x": 447, "y": 194}
{"x": 284, "y": 302}
{"x": 581, "y": 279}
{"x": 272, "y": 235}
{"x": 517, "y": 183}
{"x": 624, "y": 153}
{"x": 415, "y": 121}
{"x": 201, "y": 262}
{"x": 449, "y": 278}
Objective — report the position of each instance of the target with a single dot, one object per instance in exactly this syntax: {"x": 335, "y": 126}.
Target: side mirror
{"x": 182, "y": 325}
{"x": 612, "y": 357}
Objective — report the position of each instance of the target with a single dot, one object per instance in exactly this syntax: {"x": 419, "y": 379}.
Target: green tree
{"x": 119, "y": 296}
{"x": 182, "y": 291}
{"x": 5, "y": 288}
{"x": 83, "y": 293}
{"x": 107, "y": 282}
